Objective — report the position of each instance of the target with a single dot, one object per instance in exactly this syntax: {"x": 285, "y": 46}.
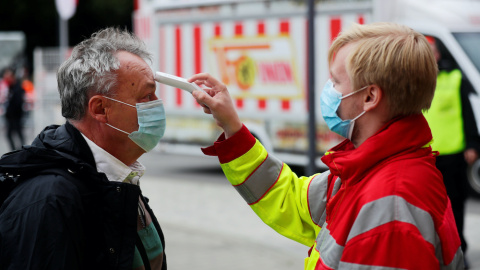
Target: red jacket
{"x": 382, "y": 204}
{"x": 392, "y": 201}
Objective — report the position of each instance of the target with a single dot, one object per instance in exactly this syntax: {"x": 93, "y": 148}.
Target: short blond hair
{"x": 396, "y": 58}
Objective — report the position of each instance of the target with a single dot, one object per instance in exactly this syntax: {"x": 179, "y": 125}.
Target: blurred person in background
{"x": 77, "y": 203}
{"x": 454, "y": 131}
{"x": 14, "y": 112}
{"x": 382, "y": 204}
{"x": 29, "y": 88}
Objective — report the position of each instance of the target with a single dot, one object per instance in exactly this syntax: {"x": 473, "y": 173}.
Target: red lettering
{"x": 275, "y": 72}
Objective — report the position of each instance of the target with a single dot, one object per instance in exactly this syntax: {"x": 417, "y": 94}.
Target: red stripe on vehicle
{"x": 285, "y": 30}
{"x": 284, "y": 27}
{"x": 218, "y": 30}
{"x": 262, "y": 102}
{"x": 238, "y": 33}
{"x": 335, "y": 27}
{"x": 361, "y": 19}
{"x": 238, "y": 29}
{"x": 261, "y": 28}
{"x": 197, "y": 37}
{"x": 178, "y": 61}
{"x": 239, "y": 103}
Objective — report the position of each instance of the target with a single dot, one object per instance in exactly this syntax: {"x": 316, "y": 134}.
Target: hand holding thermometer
{"x": 177, "y": 82}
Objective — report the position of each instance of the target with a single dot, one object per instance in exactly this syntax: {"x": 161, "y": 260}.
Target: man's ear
{"x": 97, "y": 107}
{"x": 373, "y": 98}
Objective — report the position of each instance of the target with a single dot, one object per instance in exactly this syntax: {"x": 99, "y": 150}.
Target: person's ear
{"x": 373, "y": 98}
{"x": 97, "y": 108}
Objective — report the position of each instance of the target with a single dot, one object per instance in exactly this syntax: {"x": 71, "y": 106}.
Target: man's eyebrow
{"x": 151, "y": 85}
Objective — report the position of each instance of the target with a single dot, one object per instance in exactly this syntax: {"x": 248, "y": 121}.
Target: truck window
{"x": 469, "y": 42}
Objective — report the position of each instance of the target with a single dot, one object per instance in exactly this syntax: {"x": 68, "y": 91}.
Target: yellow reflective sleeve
{"x": 278, "y": 197}
{"x": 285, "y": 208}
{"x": 239, "y": 169}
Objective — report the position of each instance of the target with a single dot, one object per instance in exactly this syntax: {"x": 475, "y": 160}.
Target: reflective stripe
{"x": 369, "y": 217}
{"x": 330, "y": 251}
{"x": 353, "y": 266}
{"x": 317, "y": 197}
{"x": 457, "y": 262}
{"x": 261, "y": 180}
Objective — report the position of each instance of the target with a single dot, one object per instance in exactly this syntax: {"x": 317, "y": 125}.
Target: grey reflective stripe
{"x": 317, "y": 197}
{"x": 336, "y": 186}
{"x": 261, "y": 180}
{"x": 457, "y": 262}
{"x": 393, "y": 208}
{"x": 353, "y": 266}
{"x": 330, "y": 251}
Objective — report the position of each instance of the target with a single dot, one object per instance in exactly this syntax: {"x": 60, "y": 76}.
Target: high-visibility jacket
{"x": 380, "y": 205}
{"x": 445, "y": 114}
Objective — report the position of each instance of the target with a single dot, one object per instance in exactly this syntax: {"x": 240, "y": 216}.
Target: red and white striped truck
{"x": 258, "y": 48}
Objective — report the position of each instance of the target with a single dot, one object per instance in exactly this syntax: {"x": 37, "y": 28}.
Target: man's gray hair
{"x": 91, "y": 68}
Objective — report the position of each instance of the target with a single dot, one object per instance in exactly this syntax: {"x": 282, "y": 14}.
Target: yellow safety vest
{"x": 445, "y": 114}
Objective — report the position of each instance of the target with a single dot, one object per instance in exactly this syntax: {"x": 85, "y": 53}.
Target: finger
{"x": 206, "y": 110}
{"x": 203, "y": 98}
{"x": 205, "y": 77}
{"x": 199, "y": 77}
{"x": 209, "y": 91}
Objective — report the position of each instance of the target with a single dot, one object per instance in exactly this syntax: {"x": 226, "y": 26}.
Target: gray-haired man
{"x": 77, "y": 203}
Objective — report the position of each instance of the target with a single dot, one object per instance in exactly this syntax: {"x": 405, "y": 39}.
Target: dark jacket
{"x": 15, "y": 100}
{"x": 64, "y": 214}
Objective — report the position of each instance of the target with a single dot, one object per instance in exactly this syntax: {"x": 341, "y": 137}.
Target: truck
{"x": 12, "y": 46}
{"x": 258, "y": 49}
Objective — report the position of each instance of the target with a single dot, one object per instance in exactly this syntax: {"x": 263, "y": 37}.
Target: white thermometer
{"x": 177, "y": 82}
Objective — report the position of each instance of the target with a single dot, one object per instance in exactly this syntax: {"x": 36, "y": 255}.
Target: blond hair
{"x": 396, "y": 58}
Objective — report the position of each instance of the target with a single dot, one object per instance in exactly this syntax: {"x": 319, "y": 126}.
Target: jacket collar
{"x": 400, "y": 136}
{"x": 55, "y": 146}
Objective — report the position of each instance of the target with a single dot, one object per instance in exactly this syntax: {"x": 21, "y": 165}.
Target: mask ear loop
{"x": 354, "y": 92}
{"x": 119, "y": 101}
{"x": 117, "y": 128}
{"x": 122, "y": 103}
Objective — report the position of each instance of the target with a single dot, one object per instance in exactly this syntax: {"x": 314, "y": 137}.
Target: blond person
{"x": 382, "y": 203}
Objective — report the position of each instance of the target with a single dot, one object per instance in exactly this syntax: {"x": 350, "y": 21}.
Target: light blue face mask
{"x": 151, "y": 123}
{"x": 329, "y": 102}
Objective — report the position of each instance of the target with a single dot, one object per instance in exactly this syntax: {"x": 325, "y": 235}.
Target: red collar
{"x": 398, "y": 137}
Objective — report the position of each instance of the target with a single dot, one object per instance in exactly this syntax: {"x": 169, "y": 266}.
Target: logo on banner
{"x": 256, "y": 67}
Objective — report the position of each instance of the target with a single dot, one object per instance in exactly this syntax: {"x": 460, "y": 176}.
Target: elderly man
{"x": 382, "y": 204}
{"x": 77, "y": 203}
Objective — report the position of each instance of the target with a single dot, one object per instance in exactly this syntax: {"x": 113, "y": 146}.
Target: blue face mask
{"x": 151, "y": 123}
{"x": 329, "y": 102}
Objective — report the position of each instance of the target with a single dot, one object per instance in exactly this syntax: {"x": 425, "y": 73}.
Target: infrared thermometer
{"x": 176, "y": 82}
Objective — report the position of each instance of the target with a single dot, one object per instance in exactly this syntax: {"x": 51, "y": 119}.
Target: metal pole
{"x": 63, "y": 32}
{"x": 312, "y": 153}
